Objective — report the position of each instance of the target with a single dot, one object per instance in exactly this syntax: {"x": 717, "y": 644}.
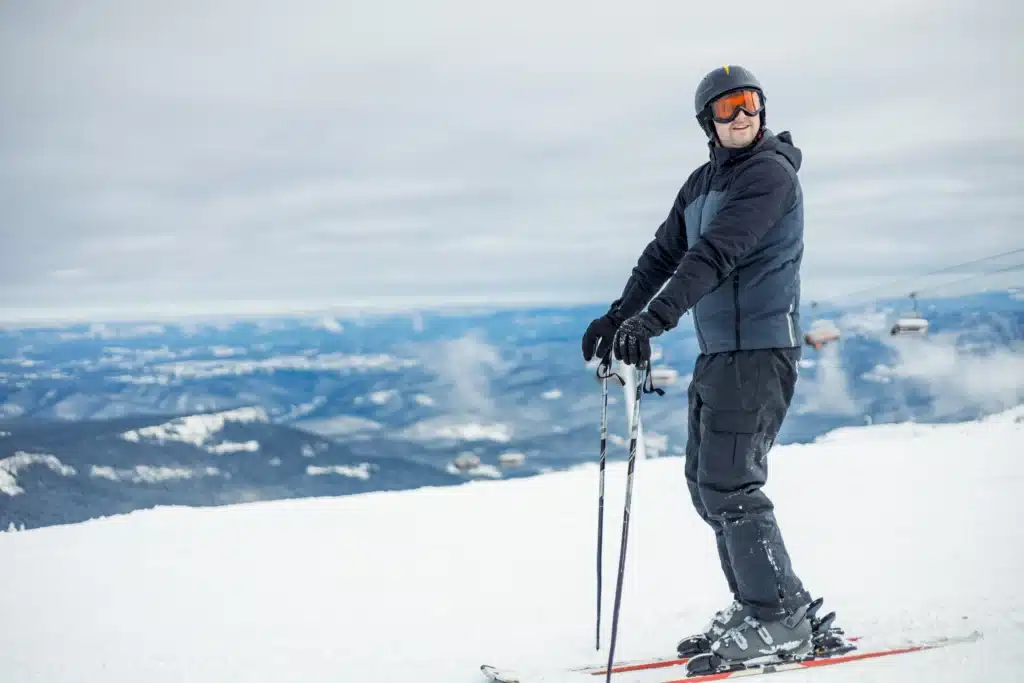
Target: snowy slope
{"x": 903, "y": 529}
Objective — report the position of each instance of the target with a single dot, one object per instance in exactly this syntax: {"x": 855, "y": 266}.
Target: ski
{"x": 828, "y": 639}
{"x": 626, "y": 666}
{"x": 727, "y": 671}
{"x": 633, "y": 665}
{"x": 646, "y": 664}
{"x": 738, "y": 670}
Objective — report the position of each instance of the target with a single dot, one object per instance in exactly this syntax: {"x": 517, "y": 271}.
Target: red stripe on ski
{"x": 642, "y": 666}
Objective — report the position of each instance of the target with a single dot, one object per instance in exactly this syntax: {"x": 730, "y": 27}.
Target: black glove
{"x": 597, "y": 340}
{"x": 633, "y": 340}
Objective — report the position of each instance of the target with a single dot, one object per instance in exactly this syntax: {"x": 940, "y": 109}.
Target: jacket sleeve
{"x": 656, "y": 264}
{"x": 760, "y": 195}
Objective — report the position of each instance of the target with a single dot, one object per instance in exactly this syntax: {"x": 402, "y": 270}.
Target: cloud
{"x": 465, "y": 367}
{"x": 828, "y": 391}
{"x": 177, "y": 153}
{"x": 960, "y": 382}
{"x": 976, "y": 369}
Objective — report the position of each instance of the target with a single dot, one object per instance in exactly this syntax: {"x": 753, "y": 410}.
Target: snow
{"x": 74, "y": 406}
{"x": 142, "y": 379}
{"x": 905, "y": 530}
{"x": 482, "y": 470}
{"x": 381, "y": 397}
{"x": 340, "y": 362}
{"x": 304, "y": 408}
{"x": 11, "y": 409}
{"x": 469, "y": 431}
{"x": 340, "y": 425}
{"x": 199, "y": 429}
{"x": 223, "y": 447}
{"x": 512, "y": 458}
{"x": 150, "y": 475}
{"x": 11, "y": 465}
{"x": 360, "y": 471}
{"x": 330, "y": 324}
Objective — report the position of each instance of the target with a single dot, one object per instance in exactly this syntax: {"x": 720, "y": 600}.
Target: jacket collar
{"x": 726, "y": 156}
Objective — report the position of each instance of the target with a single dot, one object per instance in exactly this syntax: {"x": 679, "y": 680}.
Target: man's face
{"x": 739, "y": 132}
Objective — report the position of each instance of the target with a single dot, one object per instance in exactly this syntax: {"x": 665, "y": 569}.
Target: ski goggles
{"x": 728, "y": 106}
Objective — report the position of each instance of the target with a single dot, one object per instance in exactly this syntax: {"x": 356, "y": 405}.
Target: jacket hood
{"x": 783, "y": 144}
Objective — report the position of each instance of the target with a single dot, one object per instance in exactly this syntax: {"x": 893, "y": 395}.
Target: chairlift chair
{"x": 910, "y": 325}
{"x": 822, "y": 332}
{"x": 912, "y": 322}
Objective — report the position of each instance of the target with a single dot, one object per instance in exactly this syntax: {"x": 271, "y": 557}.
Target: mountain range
{"x": 100, "y": 419}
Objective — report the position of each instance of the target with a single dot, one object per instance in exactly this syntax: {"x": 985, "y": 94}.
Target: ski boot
{"x": 755, "y": 639}
{"x": 753, "y": 643}
{"x": 723, "y": 620}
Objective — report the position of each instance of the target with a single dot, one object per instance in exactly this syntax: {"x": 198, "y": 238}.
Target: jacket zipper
{"x": 736, "y": 303}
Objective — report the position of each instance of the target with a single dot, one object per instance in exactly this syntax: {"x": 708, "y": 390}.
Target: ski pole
{"x": 625, "y": 514}
{"x": 600, "y": 502}
{"x": 603, "y": 373}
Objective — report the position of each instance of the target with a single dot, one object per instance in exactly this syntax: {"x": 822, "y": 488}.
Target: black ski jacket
{"x": 730, "y": 251}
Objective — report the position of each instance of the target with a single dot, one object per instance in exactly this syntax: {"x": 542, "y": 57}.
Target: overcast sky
{"x": 205, "y": 155}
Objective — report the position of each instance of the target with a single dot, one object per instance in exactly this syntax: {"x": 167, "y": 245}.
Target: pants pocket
{"x": 729, "y": 449}
{"x": 733, "y": 467}
{"x": 733, "y": 421}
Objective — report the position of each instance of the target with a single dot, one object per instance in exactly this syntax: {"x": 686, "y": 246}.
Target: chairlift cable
{"x": 916, "y": 278}
{"x": 1007, "y": 269}
{"x": 820, "y": 339}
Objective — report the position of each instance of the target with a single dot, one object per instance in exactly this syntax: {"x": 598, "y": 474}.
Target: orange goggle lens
{"x": 726, "y": 107}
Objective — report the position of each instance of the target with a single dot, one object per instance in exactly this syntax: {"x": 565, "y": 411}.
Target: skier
{"x": 730, "y": 251}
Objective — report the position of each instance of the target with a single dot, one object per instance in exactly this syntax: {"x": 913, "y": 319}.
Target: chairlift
{"x": 912, "y": 322}
{"x": 822, "y": 332}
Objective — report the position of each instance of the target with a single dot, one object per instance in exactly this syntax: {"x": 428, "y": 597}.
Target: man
{"x": 730, "y": 251}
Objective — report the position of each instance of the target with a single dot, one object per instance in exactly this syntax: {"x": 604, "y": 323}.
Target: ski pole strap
{"x": 604, "y": 370}
{"x": 648, "y": 382}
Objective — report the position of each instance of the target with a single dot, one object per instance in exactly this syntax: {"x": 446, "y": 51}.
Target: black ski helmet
{"x": 723, "y": 80}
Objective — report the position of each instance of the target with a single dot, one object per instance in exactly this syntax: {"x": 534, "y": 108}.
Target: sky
{"x": 216, "y": 156}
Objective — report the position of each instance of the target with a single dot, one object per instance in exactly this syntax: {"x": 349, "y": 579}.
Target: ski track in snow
{"x": 904, "y": 529}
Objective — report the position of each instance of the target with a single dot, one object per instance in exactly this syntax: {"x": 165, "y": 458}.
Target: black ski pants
{"x": 737, "y": 402}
